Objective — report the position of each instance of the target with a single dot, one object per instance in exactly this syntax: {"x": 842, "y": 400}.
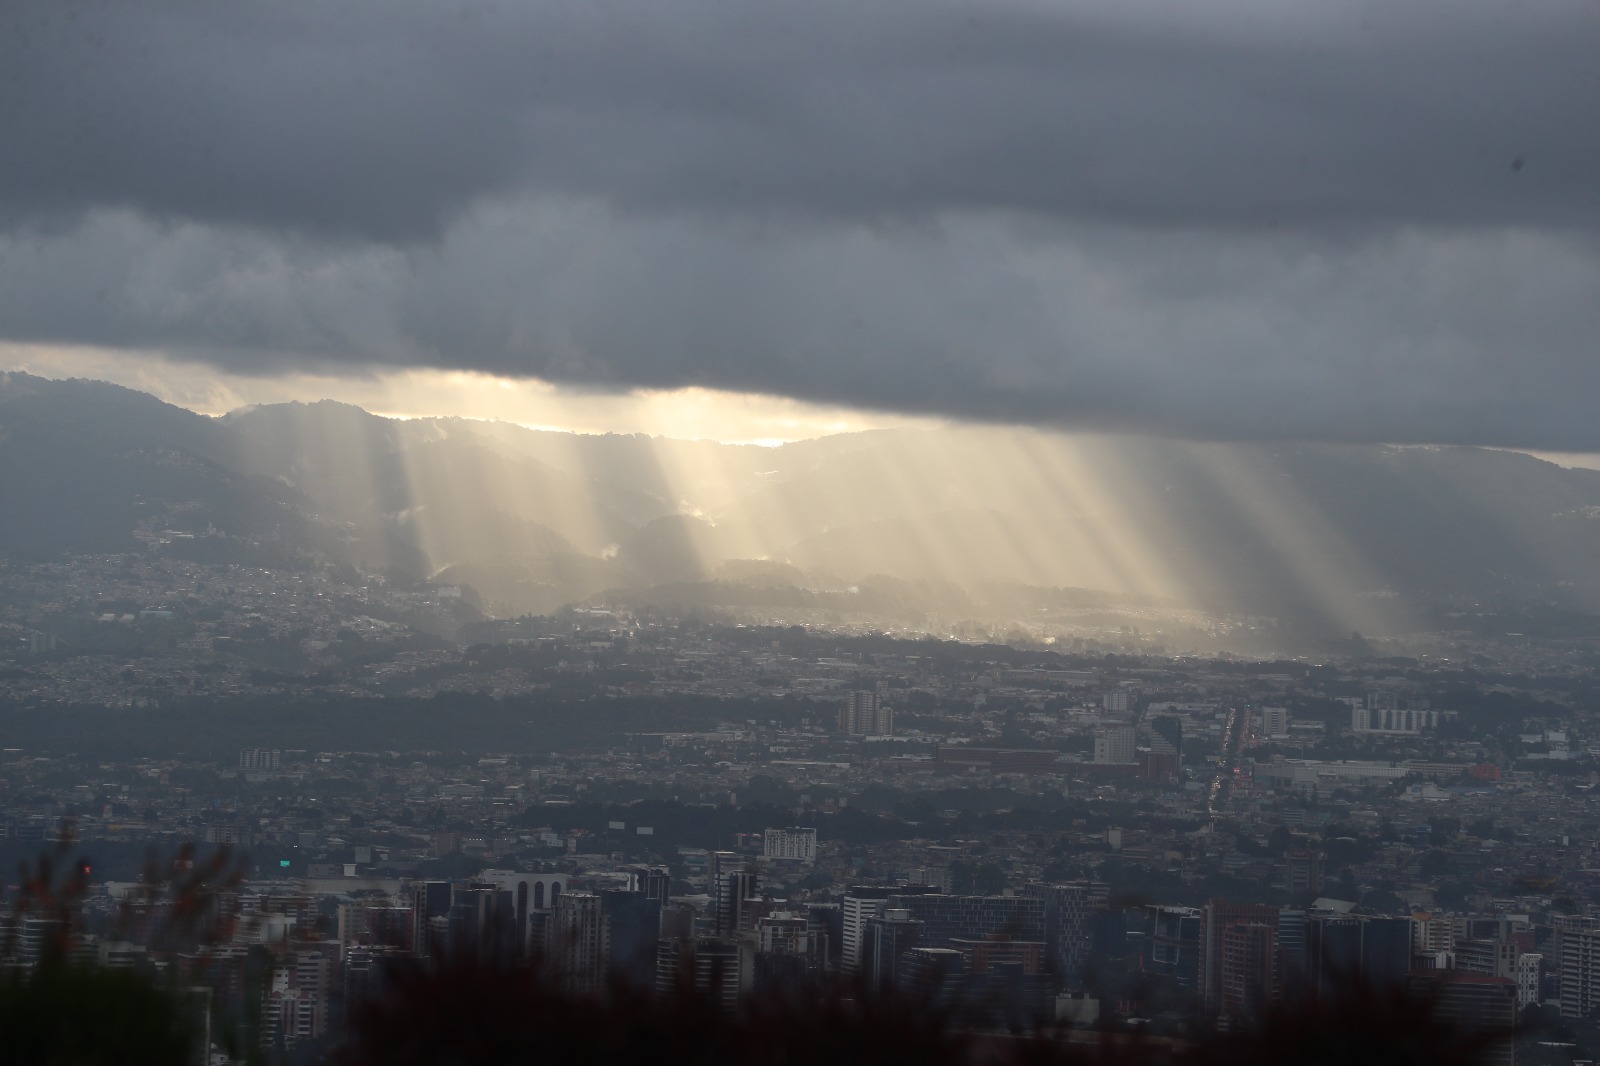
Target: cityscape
{"x": 799, "y": 533}
{"x": 1045, "y": 841}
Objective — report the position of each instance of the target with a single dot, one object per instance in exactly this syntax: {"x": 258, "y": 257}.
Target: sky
{"x": 1323, "y": 219}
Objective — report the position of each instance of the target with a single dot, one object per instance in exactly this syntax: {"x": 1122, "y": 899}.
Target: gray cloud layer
{"x": 1348, "y": 219}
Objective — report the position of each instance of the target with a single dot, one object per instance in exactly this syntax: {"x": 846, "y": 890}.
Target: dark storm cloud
{"x": 383, "y": 119}
{"x": 1354, "y": 220}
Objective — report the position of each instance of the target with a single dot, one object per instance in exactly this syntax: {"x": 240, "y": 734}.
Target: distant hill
{"x": 1335, "y": 536}
{"x": 85, "y": 466}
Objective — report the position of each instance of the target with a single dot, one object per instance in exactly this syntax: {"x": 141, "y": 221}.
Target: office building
{"x": 884, "y": 939}
{"x": 630, "y": 927}
{"x": 1294, "y": 933}
{"x": 1174, "y": 943}
{"x": 949, "y": 918}
{"x": 1068, "y": 911}
{"x": 732, "y": 887}
{"x": 934, "y": 976}
{"x": 862, "y": 902}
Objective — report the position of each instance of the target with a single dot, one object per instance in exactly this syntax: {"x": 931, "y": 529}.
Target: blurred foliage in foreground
{"x": 466, "y": 1013}
{"x": 67, "y": 1013}
{"x": 58, "y": 1008}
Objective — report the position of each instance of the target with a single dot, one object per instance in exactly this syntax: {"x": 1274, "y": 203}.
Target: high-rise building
{"x": 938, "y": 878}
{"x": 1409, "y": 721}
{"x": 260, "y": 759}
{"x": 1006, "y": 985}
{"x": 1530, "y": 967}
{"x": 1174, "y": 943}
{"x": 1294, "y": 949}
{"x": 1302, "y": 872}
{"x": 1115, "y": 743}
{"x": 652, "y": 882}
{"x": 733, "y": 888}
{"x": 1068, "y": 910}
{"x": 1169, "y": 730}
{"x": 1578, "y": 941}
{"x": 1249, "y": 974}
{"x": 1333, "y": 953}
{"x": 721, "y": 968}
{"x": 799, "y": 845}
{"x": 1477, "y": 1005}
{"x": 429, "y": 900}
{"x": 530, "y": 894}
{"x": 861, "y": 902}
{"x": 883, "y": 940}
{"x": 1322, "y": 955}
{"x": 788, "y": 951}
{"x": 1495, "y": 957}
{"x": 949, "y": 918}
{"x": 1238, "y": 959}
{"x": 295, "y": 1000}
{"x": 1430, "y": 935}
{"x": 1385, "y": 951}
{"x": 631, "y": 925}
{"x": 825, "y": 923}
{"x": 365, "y": 971}
{"x": 575, "y": 941}
{"x": 231, "y": 833}
{"x": 545, "y": 889}
{"x": 782, "y": 934}
{"x": 864, "y": 713}
{"x": 483, "y": 921}
{"x": 368, "y": 923}
{"x": 1274, "y": 721}
{"x": 40, "y": 938}
{"x": 932, "y": 975}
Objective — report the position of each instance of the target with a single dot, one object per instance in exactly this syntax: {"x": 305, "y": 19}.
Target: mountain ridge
{"x": 1344, "y": 535}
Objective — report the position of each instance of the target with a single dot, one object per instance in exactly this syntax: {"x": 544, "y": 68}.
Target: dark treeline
{"x": 468, "y": 1011}
{"x": 319, "y": 721}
